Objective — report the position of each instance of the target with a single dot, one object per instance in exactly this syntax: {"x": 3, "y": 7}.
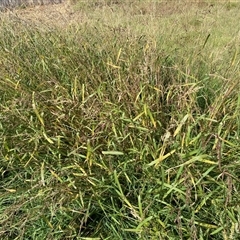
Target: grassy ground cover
{"x": 120, "y": 120}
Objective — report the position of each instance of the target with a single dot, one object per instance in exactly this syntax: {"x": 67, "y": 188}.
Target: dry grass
{"x": 66, "y": 13}
{"x": 47, "y": 15}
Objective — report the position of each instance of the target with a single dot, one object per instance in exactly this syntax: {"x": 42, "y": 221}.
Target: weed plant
{"x": 123, "y": 126}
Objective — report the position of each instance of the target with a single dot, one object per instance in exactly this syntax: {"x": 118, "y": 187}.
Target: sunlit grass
{"x": 124, "y": 125}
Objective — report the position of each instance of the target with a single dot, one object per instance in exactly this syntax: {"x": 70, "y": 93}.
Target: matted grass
{"x": 120, "y": 121}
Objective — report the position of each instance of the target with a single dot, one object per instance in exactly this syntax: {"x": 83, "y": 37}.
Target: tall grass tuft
{"x": 124, "y": 126}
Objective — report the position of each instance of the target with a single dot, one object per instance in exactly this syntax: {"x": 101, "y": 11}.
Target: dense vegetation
{"x": 124, "y": 125}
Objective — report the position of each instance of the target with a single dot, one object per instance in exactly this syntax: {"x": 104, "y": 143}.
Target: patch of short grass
{"x": 123, "y": 126}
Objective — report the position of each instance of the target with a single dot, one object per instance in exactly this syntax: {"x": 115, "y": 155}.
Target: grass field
{"x": 120, "y": 120}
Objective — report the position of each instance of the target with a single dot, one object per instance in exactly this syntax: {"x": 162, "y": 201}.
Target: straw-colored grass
{"x": 120, "y": 120}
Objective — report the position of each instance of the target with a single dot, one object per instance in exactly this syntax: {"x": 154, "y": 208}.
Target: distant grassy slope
{"x": 120, "y": 121}
{"x": 12, "y": 4}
